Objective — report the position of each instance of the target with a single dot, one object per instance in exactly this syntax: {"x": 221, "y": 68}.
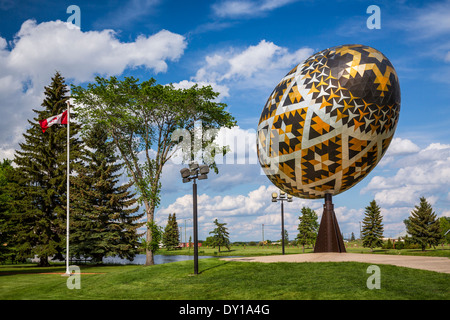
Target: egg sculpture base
{"x": 329, "y": 238}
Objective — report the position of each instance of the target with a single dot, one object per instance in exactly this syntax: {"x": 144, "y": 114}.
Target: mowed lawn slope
{"x": 224, "y": 280}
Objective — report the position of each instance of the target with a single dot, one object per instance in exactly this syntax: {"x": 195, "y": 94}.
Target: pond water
{"x": 159, "y": 259}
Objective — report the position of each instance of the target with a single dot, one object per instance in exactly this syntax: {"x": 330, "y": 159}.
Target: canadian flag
{"x": 59, "y": 119}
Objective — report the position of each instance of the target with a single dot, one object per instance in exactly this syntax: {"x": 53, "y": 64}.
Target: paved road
{"x": 438, "y": 264}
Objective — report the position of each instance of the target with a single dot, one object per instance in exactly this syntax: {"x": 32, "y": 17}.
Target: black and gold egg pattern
{"x": 329, "y": 121}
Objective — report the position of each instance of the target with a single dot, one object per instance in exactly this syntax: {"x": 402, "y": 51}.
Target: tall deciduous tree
{"x": 372, "y": 229}
{"x": 307, "y": 227}
{"x": 220, "y": 235}
{"x": 423, "y": 226}
{"x": 103, "y": 211}
{"x": 39, "y": 204}
{"x": 141, "y": 118}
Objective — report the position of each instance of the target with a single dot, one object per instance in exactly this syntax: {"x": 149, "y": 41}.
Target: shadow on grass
{"x": 8, "y": 270}
{"x": 31, "y": 270}
{"x": 221, "y": 264}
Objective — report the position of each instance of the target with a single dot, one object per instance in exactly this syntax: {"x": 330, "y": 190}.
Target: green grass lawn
{"x": 224, "y": 280}
{"x": 354, "y": 247}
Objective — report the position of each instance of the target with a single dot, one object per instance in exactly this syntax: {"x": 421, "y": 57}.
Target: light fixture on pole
{"x": 193, "y": 173}
{"x": 282, "y": 197}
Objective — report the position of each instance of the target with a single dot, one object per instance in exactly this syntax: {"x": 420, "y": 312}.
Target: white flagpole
{"x": 68, "y": 197}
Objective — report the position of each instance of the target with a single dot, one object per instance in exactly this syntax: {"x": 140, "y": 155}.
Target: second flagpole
{"x": 68, "y": 196}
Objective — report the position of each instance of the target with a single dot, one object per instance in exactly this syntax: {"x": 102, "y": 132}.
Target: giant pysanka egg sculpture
{"x": 329, "y": 121}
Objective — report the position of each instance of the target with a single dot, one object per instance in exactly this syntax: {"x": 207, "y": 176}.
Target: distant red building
{"x": 186, "y": 244}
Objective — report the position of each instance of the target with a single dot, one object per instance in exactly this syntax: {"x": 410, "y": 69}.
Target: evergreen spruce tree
{"x": 444, "y": 224}
{"x": 307, "y": 227}
{"x": 221, "y": 235}
{"x": 6, "y": 227}
{"x": 39, "y": 204}
{"x": 423, "y": 226}
{"x": 176, "y": 231}
{"x": 372, "y": 230}
{"x": 166, "y": 235}
{"x": 171, "y": 237}
{"x": 103, "y": 212}
{"x": 286, "y": 237}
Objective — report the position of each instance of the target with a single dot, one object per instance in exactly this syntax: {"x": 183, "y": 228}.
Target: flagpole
{"x": 68, "y": 196}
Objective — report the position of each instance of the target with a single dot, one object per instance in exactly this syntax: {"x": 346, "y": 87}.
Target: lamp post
{"x": 263, "y": 233}
{"x": 185, "y": 236}
{"x": 193, "y": 173}
{"x": 282, "y": 197}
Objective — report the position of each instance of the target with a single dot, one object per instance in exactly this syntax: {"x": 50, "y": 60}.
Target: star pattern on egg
{"x": 329, "y": 121}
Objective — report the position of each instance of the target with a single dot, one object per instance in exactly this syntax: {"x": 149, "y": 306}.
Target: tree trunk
{"x": 150, "y": 208}
{"x": 149, "y": 259}
{"x": 43, "y": 261}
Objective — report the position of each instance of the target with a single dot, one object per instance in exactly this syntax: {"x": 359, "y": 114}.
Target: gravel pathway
{"x": 438, "y": 264}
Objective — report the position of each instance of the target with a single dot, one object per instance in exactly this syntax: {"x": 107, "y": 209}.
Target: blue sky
{"x": 243, "y": 49}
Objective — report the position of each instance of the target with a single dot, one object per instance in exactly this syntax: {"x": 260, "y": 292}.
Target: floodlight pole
{"x": 282, "y": 197}
{"x": 193, "y": 173}
{"x": 194, "y": 193}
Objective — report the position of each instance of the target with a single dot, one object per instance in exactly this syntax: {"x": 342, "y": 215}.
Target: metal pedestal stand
{"x": 329, "y": 238}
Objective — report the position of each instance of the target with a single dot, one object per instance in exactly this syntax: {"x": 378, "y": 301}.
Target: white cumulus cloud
{"x": 247, "y": 8}
{"x": 423, "y": 173}
{"x": 37, "y": 51}
{"x": 254, "y": 67}
{"x": 259, "y": 60}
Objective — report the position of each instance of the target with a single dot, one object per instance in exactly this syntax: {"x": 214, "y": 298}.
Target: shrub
{"x": 388, "y": 245}
{"x": 399, "y": 245}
